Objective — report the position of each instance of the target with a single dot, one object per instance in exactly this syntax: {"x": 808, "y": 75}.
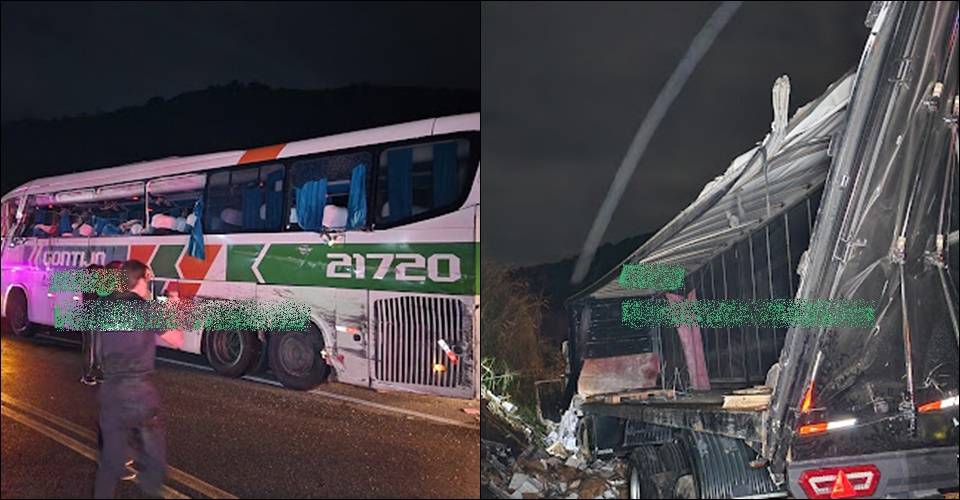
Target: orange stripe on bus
{"x": 195, "y": 269}
{"x": 188, "y": 290}
{"x": 261, "y": 154}
{"x": 141, "y": 253}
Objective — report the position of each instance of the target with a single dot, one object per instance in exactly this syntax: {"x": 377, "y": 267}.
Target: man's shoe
{"x": 89, "y": 380}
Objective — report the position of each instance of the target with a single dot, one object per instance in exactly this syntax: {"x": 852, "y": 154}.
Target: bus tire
{"x": 260, "y": 363}
{"x": 17, "y": 314}
{"x": 231, "y": 353}
{"x": 296, "y": 360}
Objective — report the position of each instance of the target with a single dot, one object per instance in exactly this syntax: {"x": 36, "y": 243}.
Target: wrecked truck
{"x": 855, "y": 197}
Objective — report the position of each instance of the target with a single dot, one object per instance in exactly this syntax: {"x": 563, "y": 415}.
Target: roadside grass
{"x": 514, "y": 353}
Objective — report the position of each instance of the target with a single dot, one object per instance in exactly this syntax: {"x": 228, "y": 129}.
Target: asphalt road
{"x": 234, "y": 437}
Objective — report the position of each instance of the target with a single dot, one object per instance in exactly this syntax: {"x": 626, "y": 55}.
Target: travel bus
{"x": 376, "y": 231}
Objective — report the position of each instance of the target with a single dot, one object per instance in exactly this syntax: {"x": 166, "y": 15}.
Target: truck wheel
{"x": 17, "y": 314}
{"x": 296, "y": 360}
{"x": 231, "y": 353}
{"x": 585, "y": 439}
{"x": 658, "y": 471}
{"x": 685, "y": 487}
{"x": 640, "y": 484}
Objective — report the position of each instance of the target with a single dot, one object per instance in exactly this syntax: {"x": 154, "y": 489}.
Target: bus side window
{"x": 172, "y": 201}
{"x": 8, "y": 212}
{"x": 117, "y": 217}
{"x": 48, "y": 222}
{"x": 420, "y": 179}
{"x": 338, "y": 171}
{"x": 38, "y": 221}
{"x": 246, "y": 199}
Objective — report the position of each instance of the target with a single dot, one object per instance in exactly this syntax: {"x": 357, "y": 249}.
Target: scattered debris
{"x": 746, "y": 402}
{"x": 757, "y": 389}
{"x": 507, "y": 412}
{"x": 536, "y": 474}
{"x": 574, "y": 462}
{"x": 615, "y": 399}
{"x": 550, "y": 465}
{"x": 562, "y": 439}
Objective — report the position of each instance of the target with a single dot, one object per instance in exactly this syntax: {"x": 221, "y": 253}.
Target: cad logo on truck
{"x": 409, "y": 267}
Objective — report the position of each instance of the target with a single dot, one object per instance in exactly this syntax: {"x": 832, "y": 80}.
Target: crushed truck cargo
{"x": 853, "y": 198}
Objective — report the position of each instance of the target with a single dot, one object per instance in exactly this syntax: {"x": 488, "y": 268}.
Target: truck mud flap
{"x": 723, "y": 468}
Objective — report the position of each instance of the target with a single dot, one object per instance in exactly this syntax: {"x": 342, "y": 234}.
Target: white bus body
{"x": 385, "y": 297}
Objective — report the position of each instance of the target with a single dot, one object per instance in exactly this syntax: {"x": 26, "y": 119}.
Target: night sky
{"x": 69, "y": 58}
{"x": 565, "y": 87}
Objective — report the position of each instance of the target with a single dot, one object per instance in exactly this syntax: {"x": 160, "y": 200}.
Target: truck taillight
{"x": 841, "y": 482}
{"x": 939, "y": 405}
{"x": 821, "y": 427}
{"x": 807, "y": 402}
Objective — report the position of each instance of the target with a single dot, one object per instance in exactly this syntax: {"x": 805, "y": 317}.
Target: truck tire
{"x": 585, "y": 438}
{"x": 686, "y": 487}
{"x": 660, "y": 471}
{"x": 296, "y": 360}
{"x": 17, "y": 314}
{"x": 231, "y": 353}
{"x": 641, "y": 484}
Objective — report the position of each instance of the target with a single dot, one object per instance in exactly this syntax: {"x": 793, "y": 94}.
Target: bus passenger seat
{"x": 43, "y": 230}
{"x": 232, "y": 216}
{"x": 334, "y": 216}
{"x": 163, "y": 221}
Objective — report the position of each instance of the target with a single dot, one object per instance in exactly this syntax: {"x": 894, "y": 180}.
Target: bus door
{"x": 352, "y": 333}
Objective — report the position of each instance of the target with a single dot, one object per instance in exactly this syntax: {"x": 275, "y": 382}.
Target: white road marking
{"x": 331, "y": 395}
{"x": 341, "y": 397}
{"x": 173, "y": 473}
{"x": 404, "y": 411}
{"x": 69, "y": 442}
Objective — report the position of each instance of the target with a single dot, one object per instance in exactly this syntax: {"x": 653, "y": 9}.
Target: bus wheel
{"x": 17, "y": 314}
{"x": 231, "y": 353}
{"x": 296, "y": 360}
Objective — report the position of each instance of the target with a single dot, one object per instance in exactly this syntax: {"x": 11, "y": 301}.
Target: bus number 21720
{"x": 406, "y": 266}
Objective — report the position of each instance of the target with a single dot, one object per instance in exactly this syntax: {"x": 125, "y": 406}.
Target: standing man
{"x": 92, "y": 373}
{"x": 129, "y": 404}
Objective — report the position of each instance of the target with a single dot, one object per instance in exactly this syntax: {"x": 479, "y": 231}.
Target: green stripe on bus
{"x": 165, "y": 261}
{"x": 404, "y": 267}
{"x": 240, "y": 262}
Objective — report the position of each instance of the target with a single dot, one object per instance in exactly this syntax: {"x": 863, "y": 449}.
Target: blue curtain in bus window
{"x": 399, "y": 183}
{"x": 195, "y": 244}
{"x": 65, "y": 225}
{"x": 252, "y": 197}
{"x": 357, "y": 204}
{"x": 444, "y": 174}
{"x": 274, "y": 200}
{"x": 311, "y": 199}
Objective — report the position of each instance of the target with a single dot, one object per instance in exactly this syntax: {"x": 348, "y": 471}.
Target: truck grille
{"x": 408, "y": 330}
